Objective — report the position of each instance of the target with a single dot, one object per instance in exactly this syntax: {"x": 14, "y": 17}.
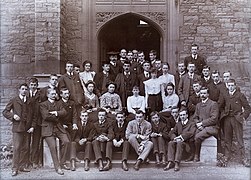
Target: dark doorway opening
{"x": 129, "y": 31}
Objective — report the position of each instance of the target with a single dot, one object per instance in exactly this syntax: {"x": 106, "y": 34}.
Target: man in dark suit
{"x": 71, "y": 81}
{"x": 82, "y": 141}
{"x": 182, "y": 133}
{"x": 206, "y": 118}
{"x": 208, "y": 82}
{"x": 119, "y": 141}
{"x": 70, "y": 120}
{"x": 102, "y": 140}
{"x": 198, "y": 60}
{"x": 145, "y": 75}
{"x": 113, "y": 59}
{"x": 194, "y": 98}
{"x": 102, "y": 78}
{"x": 19, "y": 112}
{"x": 236, "y": 111}
{"x": 53, "y": 84}
{"x": 125, "y": 82}
{"x": 159, "y": 136}
{"x": 179, "y": 73}
{"x": 185, "y": 85}
{"x": 36, "y": 141}
{"x": 51, "y": 111}
{"x": 138, "y": 134}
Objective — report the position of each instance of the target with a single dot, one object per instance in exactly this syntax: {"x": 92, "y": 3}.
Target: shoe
{"x": 14, "y": 173}
{"x": 190, "y": 158}
{"x": 170, "y": 165}
{"x": 100, "y": 164}
{"x": 73, "y": 165}
{"x": 147, "y": 161}
{"x": 196, "y": 158}
{"x": 24, "y": 169}
{"x": 64, "y": 166}
{"x": 177, "y": 166}
{"x": 34, "y": 165}
{"x": 86, "y": 165}
{"x": 108, "y": 165}
{"x": 137, "y": 164}
{"x": 60, "y": 171}
{"x": 124, "y": 166}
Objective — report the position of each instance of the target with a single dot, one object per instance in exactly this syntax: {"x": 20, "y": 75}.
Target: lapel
{"x": 19, "y": 101}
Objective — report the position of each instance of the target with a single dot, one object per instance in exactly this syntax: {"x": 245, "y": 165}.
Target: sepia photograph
{"x": 125, "y": 89}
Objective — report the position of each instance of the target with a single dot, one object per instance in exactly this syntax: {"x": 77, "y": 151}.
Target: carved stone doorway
{"x": 129, "y": 31}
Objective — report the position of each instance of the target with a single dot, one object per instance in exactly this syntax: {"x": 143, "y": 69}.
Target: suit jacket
{"x": 23, "y": 110}
{"x": 192, "y": 102}
{"x": 114, "y": 70}
{"x": 207, "y": 113}
{"x": 84, "y": 131}
{"x": 48, "y": 120}
{"x": 199, "y": 63}
{"x": 141, "y": 79}
{"x": 187, "y": 131}
{"x": 36, "y": 100}
{"x": 105, "y": 128}
{"x": 119, "y": 133}
{"x": 43, "y": 93}
{"x": 214, "y": 92}
{"x": 133, "y": 130}
{"x": 185, "y": 86}
{"x": 71, "y": 116}
{"x": 161, "y": 128}
{"x": 125, "y": 85}
{"x": 177, "y": 80}
{"x": 73, "y": 84}
{"x": 98, "y": 79}
{"x": 237, "y": 103}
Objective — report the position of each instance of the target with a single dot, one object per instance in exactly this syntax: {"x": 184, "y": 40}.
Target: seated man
{"x": 206, "y": 119}
{"x": 137, "y": 133}
{"x": 181, "y": 134}
{"x": 119, "y": 141}
{"x": 82, "y": 142}
{"x": 102, "y": 140}
{"x": 51, "y": 110}
{"x": 158, "y": 137}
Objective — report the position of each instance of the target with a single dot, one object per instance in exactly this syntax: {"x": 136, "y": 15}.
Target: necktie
{"x": 23, "y": 98}
{"x": 139, "y": 129}
{"x": 147, "y": 75}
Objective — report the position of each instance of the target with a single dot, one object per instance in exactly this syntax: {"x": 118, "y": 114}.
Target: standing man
{"x": 198, "y": 60}
{"x": 19, "y": 112}
{"x": 113, "y": 59}
{"x": 179, "y": 73}
{"x": 71, "y": 81}
{"x": 185, "y": 88}
{"x": 102, "y": 140}
{"x": 53, "y": 84}
{"x": 137, "y": 133}
{"x": 125, "y": 82}
{"x": 119, "y": 140}
{"x": 181, "y": 135}
{"x": 145, "y": 75}
{"x": 235, "y": 113}
{"x": 51, "y": 110}
{"x": 206, "y": 118}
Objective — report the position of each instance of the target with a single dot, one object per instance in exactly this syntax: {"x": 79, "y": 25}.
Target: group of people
{"x": 131, "y": 102}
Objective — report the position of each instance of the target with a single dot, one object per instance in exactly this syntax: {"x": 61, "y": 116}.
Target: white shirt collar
{"x": 113, "y": 63}
{"x": 195, "y": 56}
{"x": 64, "y": 100}
{"x": 23, "y": 98}
{"x": 70, "y": 74}
{"x": 232, "y": 93}
{"x": 207, "y": 78}
{"x": 204, "y": 101}
{"x": 125, "y": 73}
{"x": 51, "y": 101}
{"x": 185, "y": 122}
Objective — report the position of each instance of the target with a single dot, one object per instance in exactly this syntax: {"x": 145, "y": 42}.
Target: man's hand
{"x": 54, "y": 113}
{"x": 31, "y": 130}
{"x": 154, "y": 135}
{"x": 199, "y": 125}
{"x": 183, "y": 103}
{"x": 82, "y": 141}
{"x": 65, "y": 126}
{"x": 141, "y": 148}
{"x": 74, "y": 127}
{"x": 16, "y": 117}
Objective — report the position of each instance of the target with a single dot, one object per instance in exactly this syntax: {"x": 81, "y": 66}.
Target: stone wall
{"x": 222, "y": 31}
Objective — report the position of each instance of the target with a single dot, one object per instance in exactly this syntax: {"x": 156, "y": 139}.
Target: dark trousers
{"x": 158, "y": 145}
{"x": 76, "y": 147}
{"x": 36, "y": 146}
{"x": 25, "y": 151}
{"x": 125, "y": 150}
{"x": 175, "y": 150}
{"x": 64, "y": 142}
{"x": 230, "y": 125}
{"x": 102, "y": 147}
{"x": 18, "y": 141}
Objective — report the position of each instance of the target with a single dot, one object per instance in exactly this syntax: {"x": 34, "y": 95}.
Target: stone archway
{"x": 125, "y": 31}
